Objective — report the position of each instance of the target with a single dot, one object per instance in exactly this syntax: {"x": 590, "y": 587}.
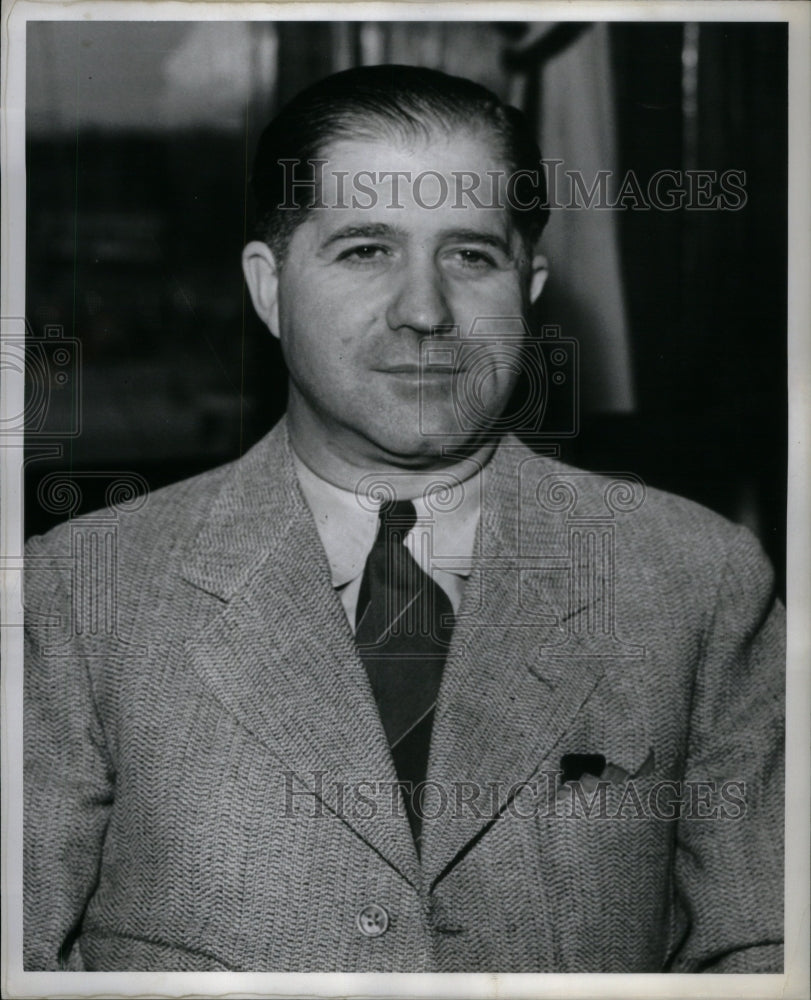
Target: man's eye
{"x": 474, "y": 259}
{"x": 368, "y": 252}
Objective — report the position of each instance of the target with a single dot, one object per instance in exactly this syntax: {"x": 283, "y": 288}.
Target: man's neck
{"x": 353, "y": 471}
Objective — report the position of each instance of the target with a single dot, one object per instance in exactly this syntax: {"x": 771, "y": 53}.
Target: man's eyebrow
{"x": 371, "y": 231}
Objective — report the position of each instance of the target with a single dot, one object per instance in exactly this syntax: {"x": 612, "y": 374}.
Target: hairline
{"x": 400, "y": 133}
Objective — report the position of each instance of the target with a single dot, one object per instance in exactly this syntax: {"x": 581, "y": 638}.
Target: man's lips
{"x": 414, "y": 370}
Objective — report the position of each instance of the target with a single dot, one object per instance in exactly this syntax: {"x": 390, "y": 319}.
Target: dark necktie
{"x": 404, "y": 625}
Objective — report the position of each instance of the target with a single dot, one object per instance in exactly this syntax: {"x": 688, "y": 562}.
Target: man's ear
{"x": 262, "y": 278}
{"x": 540, "y": 272}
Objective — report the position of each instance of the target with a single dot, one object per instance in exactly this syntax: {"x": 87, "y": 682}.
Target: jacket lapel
{"x": 278, "y": 651}
{"x": 517, "y": 673}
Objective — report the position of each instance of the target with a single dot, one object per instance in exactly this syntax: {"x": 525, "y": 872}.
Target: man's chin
{"x": 427, "y": 446}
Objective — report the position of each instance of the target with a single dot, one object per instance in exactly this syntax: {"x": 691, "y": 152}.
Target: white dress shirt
{"x": 441, "y": 541}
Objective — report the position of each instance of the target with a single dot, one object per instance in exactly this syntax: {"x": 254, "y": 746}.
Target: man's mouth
{"x": 414, "y": 371}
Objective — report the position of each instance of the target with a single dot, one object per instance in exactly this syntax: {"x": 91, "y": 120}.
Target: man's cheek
{"x": 486, "y": 303}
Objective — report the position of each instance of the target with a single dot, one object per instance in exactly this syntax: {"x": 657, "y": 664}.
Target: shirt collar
{"x": 347, "y": 522}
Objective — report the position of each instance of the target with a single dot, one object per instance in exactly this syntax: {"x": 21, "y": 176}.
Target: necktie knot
{"x": 399, "y": 514}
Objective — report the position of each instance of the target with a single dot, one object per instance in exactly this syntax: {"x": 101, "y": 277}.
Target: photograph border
{"x": 795, "y": 981}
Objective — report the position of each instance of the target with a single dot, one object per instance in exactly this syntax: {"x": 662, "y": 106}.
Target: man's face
{"x": 362, "y": 288}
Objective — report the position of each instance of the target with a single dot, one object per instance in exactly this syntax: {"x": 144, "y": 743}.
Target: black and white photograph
{"x": 404, "y": 418}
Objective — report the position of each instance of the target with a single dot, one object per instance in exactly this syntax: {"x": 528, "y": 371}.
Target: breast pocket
{"x": 606, "y": 849}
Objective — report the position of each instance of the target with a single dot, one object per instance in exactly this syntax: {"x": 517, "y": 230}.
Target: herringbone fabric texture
{"x": 207, "y": 780}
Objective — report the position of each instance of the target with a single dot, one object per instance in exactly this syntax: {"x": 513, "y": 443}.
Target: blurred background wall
{"x": 140, "y": 140}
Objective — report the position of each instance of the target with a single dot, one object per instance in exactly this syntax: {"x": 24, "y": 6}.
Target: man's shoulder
{"x": 168, "y": 512}
{"x": 542, "y": 487}
{"x": 168, "y": 516}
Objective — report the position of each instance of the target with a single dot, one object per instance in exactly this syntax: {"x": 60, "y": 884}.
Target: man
{"x": 393, "y": 691}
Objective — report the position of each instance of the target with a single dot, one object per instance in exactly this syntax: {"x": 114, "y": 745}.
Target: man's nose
{"x": 419, "y": 301}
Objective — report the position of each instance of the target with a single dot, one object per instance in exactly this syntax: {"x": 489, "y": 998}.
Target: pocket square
{"x": 576, "y": 766}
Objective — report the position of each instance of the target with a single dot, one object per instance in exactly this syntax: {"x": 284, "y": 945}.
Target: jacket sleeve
{"x": 68, "y": 777}
{"x": 729, "y": 862}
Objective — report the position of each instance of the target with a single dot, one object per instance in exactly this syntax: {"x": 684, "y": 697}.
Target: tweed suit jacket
{"x": 208, "y": 785}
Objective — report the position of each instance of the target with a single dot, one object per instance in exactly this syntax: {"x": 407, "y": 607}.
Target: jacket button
{"x": 373, "y": 920}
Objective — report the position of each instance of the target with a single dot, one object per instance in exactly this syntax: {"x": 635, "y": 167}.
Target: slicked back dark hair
{"x": 386, "y": 103}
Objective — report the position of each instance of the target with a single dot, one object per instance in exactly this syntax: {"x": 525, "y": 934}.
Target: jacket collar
{"x": 251, "y": 516}
{"x": 279, "y": 652}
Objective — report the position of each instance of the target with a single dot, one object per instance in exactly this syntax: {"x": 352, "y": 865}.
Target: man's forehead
{"x": 462, "y": 152}
{"x": 462, "y": 146}
{"x": 382, "y": 187}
